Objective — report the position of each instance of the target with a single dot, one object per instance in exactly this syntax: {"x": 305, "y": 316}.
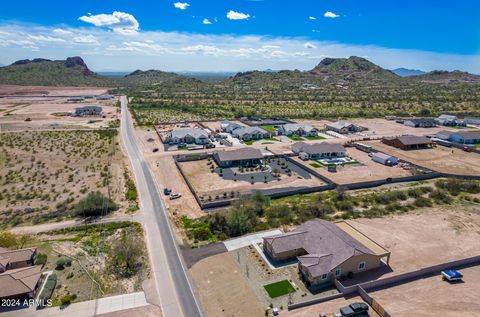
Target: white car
{"x": 175, "y": 196}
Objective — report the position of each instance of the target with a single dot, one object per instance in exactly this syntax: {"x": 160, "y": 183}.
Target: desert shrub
{"x": 457, "y": 186}
{"x": 423, "y": 202}
{"x": 440, "y": 196}
{"x": 63, "y": 262}
{"x": 125, "y": 255}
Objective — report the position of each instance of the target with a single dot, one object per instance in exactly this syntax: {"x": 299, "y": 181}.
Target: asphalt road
{"x": 169, "y": 271}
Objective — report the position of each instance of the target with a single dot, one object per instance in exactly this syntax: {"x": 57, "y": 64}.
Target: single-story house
{"x": 319, "y": 150}
{"x": 19, "y": 276}
{"x": 229, "y": 126}
{"x": 250, "y": 133}
{"x": 344, "y": 127}
{"x": 88, "y": 111}
{"x": 14, "y": 259}
{"x": 465, "y": 137}
{"x": 408, "y": 142}
{"x": 193, "y": 135}
{"x": 21, "y": 283}
{"x": 443, "y": 135}
{"x": 472, "y": 120}
{"x": 324, "y": 252}
{"x": 449, "y": 120}
{"x": 298, "y": 129}
{"x": 420, "y": 122}
{"x": 104, "y": 97}
{"x": 245, "y": 157}
{"x": 384, "y": 159}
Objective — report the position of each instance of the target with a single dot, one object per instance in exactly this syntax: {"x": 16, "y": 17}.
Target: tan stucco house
{"x": 325, "y": 251}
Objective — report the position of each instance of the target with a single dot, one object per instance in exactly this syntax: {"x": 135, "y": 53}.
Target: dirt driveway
{"x": 223, "y": 289}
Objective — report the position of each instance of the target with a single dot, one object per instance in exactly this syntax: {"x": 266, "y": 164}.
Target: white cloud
{"x": 206, "y": 21}
{"x": 181, "y": 5}
{"x": 330, "y": 14}
{"x": 233, "y": 15}
{"x": 312, "y": 18}
{"x": 62, "y": 32}
{"x": 177, "y": 51}
{"x": 85, "y": 39}
{"x": 43, "y": 38}
{"x": 119, "y": 22}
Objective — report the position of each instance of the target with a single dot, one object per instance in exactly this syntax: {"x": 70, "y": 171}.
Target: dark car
{"x": 155, "y": 149}
{"x": 354, "y": 309}
{"x": 167, "y": 191}
{"x": 209, "y": 146}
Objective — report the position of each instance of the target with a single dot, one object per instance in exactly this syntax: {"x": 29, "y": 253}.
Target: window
{"x": 338, "y": 272}
{"x": 361, "y": 265}
{"x": 324, "y": 276}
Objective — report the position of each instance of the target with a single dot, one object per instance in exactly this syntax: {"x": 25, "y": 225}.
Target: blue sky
{"x": 243, "y": 34}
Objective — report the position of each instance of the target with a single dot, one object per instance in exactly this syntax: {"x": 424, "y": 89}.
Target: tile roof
{"x": 293, "y": 127}
{"x": 318, "y": 148}
{"x": 326, "y": 244}
{"x": 249, "y": 130}
{"x": 193, "y": 132}
{"x": 240, "y": 154}
{"x": 19, "y": 281}
{"x": 17, "y": 255}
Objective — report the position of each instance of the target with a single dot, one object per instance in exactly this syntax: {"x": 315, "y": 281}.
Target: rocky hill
{"x": 44, "y": 72}
{"x": 445, "y": 77}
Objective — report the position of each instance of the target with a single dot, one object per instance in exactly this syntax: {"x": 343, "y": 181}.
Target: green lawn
{"x": 316, "y": 165}
{"x": 317, "y": 137}
{"x": 250, "y": 142}
{"x": 269, "y": 128}
{"x": 477, "y": 145}
{"x": 296, "y": 138}
{"x": 279, "y": 288}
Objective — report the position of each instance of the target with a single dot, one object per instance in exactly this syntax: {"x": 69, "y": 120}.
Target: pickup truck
{"x": 354, "y": 309}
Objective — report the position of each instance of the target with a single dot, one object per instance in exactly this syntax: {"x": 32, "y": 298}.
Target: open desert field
{"x": 425, "y": 237}
{"x": 440, "y": 158}
{"x": 367, "y": 170}
{"x": 43, "y": 174}
{"x": 31, "y": 113}
{"x": 211, "y": 184}
{"x": 50, "y": 90}
{"x": 433, "y": 297}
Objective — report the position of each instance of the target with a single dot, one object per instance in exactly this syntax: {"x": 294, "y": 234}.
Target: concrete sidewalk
{"x": 87, "y": 308}
{"x": 237, "y": 243}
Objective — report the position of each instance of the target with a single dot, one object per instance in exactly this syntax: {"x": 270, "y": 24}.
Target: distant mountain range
{"x": 337, "y": 72}
{"x": 405, "y": 72}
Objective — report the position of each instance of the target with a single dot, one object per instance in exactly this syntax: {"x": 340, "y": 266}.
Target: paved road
{"x": 171, "y": 277}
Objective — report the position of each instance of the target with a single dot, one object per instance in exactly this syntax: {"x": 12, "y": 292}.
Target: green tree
{"x": 125, "y": 255}
{"x": 94, "y": 205}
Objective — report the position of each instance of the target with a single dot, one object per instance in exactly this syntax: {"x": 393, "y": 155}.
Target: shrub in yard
{"x": 67, "y": 299}
{"x": 47, "y": 289}
{"x": 94, "y": 205}
{"x": 41, "y": 259}
{"x": 63, "y": 262}
{"x": 125, "y": 255}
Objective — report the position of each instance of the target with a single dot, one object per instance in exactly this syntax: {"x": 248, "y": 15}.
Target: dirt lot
{"x": 50, "y": 91}
{"x": 48, "y": 113}
{"x": 433, "y": 297}
{"x": 425, "y": 237}
{"x": 223, "y": 289}
{"x": 382, "y": 127}
{"x": 211, "y": 184}
{"x": 441, "y": 159}
{"x": 368, "y": 170}
{"x": 167, "y": 175}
